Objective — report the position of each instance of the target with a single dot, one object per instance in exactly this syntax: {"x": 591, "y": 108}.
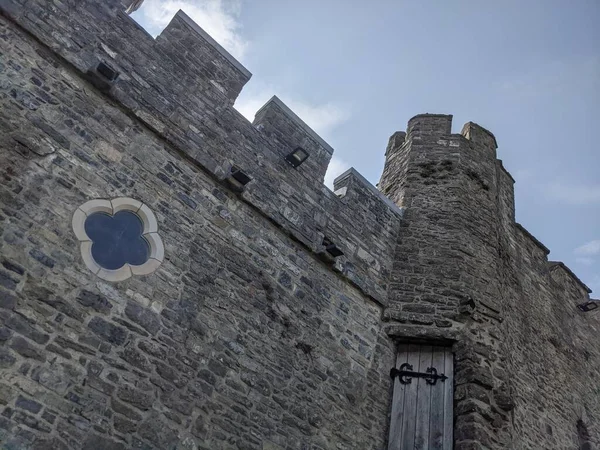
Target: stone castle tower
{"x": 175, "y": 277}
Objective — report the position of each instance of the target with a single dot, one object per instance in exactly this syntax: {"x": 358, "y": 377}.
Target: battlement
{"x": 261, "y": 281}
{"x": 430, "y": 124}
{"x": 286, "y": 132}
{"x": 182, "y": 86}
{"x": 441, "y": 125}
{"x": 343, "y": 181}
{"x": 538, "y": 257}
{"x": 545, "y": 251}
{"x": 479, "y": 135}
{"x": 184, "y": 41}
{"x": 395, "y": 142}
{"x": 166, "y": 83}
{"x": 454, "y": 190}
{"x": 274, "y": 104}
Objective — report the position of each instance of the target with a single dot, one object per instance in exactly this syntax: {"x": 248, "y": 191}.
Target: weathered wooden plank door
{"x": 422, "y": 416}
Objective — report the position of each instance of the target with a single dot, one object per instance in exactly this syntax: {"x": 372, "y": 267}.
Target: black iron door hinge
{"x": 406, "y": 374}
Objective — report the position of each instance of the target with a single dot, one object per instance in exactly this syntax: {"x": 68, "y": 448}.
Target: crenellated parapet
{"x": 268, "y": 311}
{"x": 479, "y": 136}
{"x": 447, "y": 184}
{"x": 535, "y": 255}
{"x": 182, "y": 86}
{"x": 459, "y": 206}
{"x": 370, "y": 215}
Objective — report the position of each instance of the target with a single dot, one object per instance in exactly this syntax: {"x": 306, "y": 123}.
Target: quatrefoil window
{"x": 118, "y": 238}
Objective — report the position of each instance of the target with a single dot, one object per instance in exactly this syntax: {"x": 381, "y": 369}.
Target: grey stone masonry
{"x": 187, "y": 110}
{"x": 251, "y": 333}
{"x": 288, "y": 132}
{"x": 465, "y": 272}
{"x": 204, "y": 58}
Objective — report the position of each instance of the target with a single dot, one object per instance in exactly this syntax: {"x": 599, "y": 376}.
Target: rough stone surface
{"x": 466, "y": 272}
{"x": 251, "y": 335}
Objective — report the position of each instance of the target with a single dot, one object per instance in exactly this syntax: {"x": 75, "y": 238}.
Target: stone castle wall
{"x": 244, "y": 336}
{"x": 250, "y": 335}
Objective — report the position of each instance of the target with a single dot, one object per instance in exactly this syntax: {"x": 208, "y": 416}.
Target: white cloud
{"x": 336, "y": 167}
{"x": 584, "y": 260}
{"x": 591, "y": 248}
{"x": 574, "y": 194}
{"x": 522, "y": 175}
{"x": 219, "y": 18}
{"x": 587, "y": 253}
{"x": 322, "y": 118}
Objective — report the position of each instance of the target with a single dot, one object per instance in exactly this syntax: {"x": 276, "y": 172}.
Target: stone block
{"x": 27, "y": 404}
{"x": 26, "y": 349}
{"x": 97, "y": 302}
{"x": 144, "y": 317}
{"x": 107, "y": 331}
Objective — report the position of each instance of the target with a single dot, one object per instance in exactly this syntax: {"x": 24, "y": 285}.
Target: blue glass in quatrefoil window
{"x": 117, "y": 240}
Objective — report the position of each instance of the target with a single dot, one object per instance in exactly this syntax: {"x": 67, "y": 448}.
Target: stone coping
{"x": 556, "y": 264}
{"x": 204, "y": 35}
{"x": 533, "y": 238}
{"x": 352, "y": 171}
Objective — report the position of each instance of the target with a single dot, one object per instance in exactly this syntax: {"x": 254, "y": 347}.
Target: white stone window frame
{"x": 111, "y": 207}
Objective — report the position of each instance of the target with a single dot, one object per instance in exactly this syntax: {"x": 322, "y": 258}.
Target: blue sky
{"x": 356, "y": 71}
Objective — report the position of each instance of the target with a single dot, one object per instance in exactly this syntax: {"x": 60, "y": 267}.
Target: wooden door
{"x": 422, "y": 407}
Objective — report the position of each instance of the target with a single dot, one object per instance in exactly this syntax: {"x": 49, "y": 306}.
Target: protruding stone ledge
{"x": 419, "y": 332}
{"x": 177, "y": 112}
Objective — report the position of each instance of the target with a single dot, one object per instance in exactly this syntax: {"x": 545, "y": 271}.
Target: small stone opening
{"x": 584, "y": 436}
